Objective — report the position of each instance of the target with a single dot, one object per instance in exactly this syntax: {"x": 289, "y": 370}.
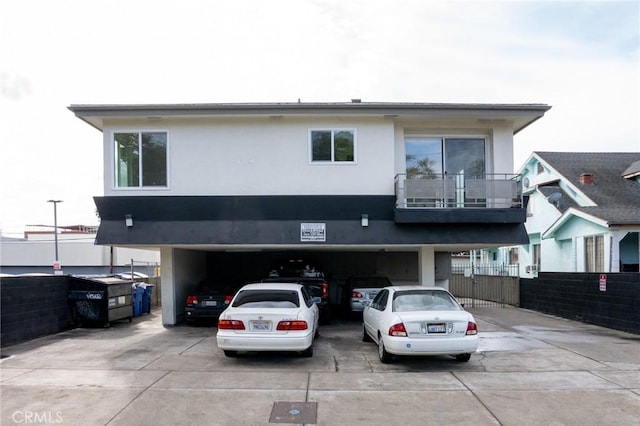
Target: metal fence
{"x": 458, "y": 191}
{"x": 486, "y": 285}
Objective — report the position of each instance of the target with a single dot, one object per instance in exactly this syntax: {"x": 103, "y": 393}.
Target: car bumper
{"x": 237, "y": 342}
{"x": 356, "y": 306}
{"x": 444, "y": 346}
{"x": 202, "y": 313}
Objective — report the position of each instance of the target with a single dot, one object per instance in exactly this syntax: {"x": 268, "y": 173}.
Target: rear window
{"x": 267, "y": 299}
{"x": 424, "y": 300}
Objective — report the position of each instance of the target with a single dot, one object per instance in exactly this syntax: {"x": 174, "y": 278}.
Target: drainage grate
{"x": 294, "y": 412}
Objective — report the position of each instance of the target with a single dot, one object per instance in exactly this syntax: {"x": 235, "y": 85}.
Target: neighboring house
{"x": 583, "y": 213}
{"x": 386, "y": 188}
{"x": 77, "y": 253}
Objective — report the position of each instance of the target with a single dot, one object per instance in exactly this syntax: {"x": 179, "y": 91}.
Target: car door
{"x": 313, "y": 308}
{"x": 373, "y": 313}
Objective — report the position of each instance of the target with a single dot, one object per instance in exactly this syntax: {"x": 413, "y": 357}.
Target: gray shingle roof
{"x": 617, "y": 198}
{"x": 564, "y": 203}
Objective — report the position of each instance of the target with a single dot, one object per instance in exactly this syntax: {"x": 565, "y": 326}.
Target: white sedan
{"x": 418, "y": 320}
{"x": 269, "y": 317}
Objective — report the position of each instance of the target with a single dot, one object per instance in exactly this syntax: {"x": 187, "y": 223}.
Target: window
{"x": 429, "y": 157}
{"x": 140, "y": 159}
{"x": 334, "y": 146}
{"x": 594, "y": 253}
{"x": 536, "y": 256}
{"x": 267, "y": 299}
{"x": 380, "y": 301}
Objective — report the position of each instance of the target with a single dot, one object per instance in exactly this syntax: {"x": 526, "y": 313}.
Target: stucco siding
{"x": 264, "y": 156}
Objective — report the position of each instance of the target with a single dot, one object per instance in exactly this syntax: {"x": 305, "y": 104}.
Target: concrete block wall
{"x": 579, "y": 296}
{"x": 33, "y": 307}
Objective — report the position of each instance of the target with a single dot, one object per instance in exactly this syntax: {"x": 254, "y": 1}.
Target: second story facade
{"x": 258, "y": 170}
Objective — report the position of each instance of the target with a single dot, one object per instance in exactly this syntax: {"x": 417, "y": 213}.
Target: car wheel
{"x": 463, "y": 357}
{"x": 307, "y": 353}
{"x": 231, "y": 354}
{"x": 385, "y": 357}
{"x": 365, "y": 336}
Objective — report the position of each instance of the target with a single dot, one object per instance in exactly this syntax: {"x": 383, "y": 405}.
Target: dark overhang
{"x": 276, "y": 220}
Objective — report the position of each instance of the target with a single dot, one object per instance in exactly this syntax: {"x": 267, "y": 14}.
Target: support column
{"x": 167, "y": 280}
{"x": 426, "y": 266}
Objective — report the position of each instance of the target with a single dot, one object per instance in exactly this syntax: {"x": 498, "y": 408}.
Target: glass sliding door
{"x": 423, "y": 158}
{"x": 464, "y": 157}
{"x": 443, "y": 166}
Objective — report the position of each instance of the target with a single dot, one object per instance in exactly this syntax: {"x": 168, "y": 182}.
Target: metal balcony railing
{"x": 492, "y": 191}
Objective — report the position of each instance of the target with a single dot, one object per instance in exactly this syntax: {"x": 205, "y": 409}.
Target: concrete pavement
{"x": 531, "y": 369}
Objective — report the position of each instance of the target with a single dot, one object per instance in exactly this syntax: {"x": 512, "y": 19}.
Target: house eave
{"x": 572, "y": 212}
{"x": 520, "y": 115}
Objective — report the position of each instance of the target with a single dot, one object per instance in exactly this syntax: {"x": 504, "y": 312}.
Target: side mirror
{"x": 317, "y": 300}
{"x": 366, "y": 303}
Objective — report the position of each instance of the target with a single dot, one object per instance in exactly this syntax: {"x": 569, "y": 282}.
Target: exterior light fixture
{"x": 128, "y": 220}
{"x": 364, "y": 220}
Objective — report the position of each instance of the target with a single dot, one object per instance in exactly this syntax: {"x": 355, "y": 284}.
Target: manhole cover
{"x": 294, "y": 412}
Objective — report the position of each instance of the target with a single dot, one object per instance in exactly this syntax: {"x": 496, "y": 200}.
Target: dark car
{"x": 361, "y": 290}
{"x": 208, "y": 301}
{"x": 309, "y": 275}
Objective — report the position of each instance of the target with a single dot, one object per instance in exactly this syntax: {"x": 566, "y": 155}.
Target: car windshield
{"x": 267, "y": 299}
{"x": 370, "y": 282}
{"x": 424, "y": 300}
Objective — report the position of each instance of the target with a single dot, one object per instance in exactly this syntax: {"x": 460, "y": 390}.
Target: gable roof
{"x": 617, "y": 199}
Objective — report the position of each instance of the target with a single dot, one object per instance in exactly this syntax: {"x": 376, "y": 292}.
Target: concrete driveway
{"x": 530, "y": 369}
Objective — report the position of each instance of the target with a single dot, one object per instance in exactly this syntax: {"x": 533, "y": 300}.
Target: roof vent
{"x": 586, "y": 179}
{"x": 356, "y": 100}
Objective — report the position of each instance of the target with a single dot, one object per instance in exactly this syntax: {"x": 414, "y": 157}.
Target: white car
{"x": 418, "y": 320}
{"x": 269, "y": 317}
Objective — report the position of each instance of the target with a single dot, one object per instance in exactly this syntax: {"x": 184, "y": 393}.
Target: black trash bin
{"x": 99, "y": 301}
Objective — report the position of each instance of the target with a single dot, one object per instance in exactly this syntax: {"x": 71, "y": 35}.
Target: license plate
{"x": 437, "y": 328}
{"x": 210, "y": 303}
{"x": 260, "y": 325}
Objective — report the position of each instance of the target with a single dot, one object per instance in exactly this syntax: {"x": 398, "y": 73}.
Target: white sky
{"x": 580, "y": 57}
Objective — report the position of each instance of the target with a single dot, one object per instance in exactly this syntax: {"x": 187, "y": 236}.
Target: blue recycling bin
{"x": 138, "y": 297}
{"x": 146, "y": 299}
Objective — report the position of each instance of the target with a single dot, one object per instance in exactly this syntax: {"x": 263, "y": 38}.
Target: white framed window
{"x": 140, "y": 159}
{"x": 332, "y": 146}
{"x": 594, "y": 253}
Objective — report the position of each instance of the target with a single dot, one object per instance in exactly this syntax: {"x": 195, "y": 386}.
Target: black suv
{"x": 305, "y": 273}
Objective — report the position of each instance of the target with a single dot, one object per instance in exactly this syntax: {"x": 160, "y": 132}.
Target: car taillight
{"x": 192, "y": 300}
{"x": 227, "y": 299}
{"x": 472, "y": 328}
{"x": 356, "y": 295}
{"x": 225, "y": 324}
{"x": 291, "y": 325}
{"x": 398, "y": 330}
{"x": 325, "y": 290}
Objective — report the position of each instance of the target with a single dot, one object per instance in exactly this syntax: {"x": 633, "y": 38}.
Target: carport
{"x": 182, "y": 268}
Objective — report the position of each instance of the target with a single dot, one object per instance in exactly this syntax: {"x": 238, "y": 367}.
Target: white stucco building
{"x": 224, "y": 189}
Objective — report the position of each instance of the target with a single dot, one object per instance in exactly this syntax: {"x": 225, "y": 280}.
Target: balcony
{"x": 495, "y": 198}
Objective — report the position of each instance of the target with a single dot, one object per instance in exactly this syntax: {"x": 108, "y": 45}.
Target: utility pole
{"x": 56, "y": 263}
